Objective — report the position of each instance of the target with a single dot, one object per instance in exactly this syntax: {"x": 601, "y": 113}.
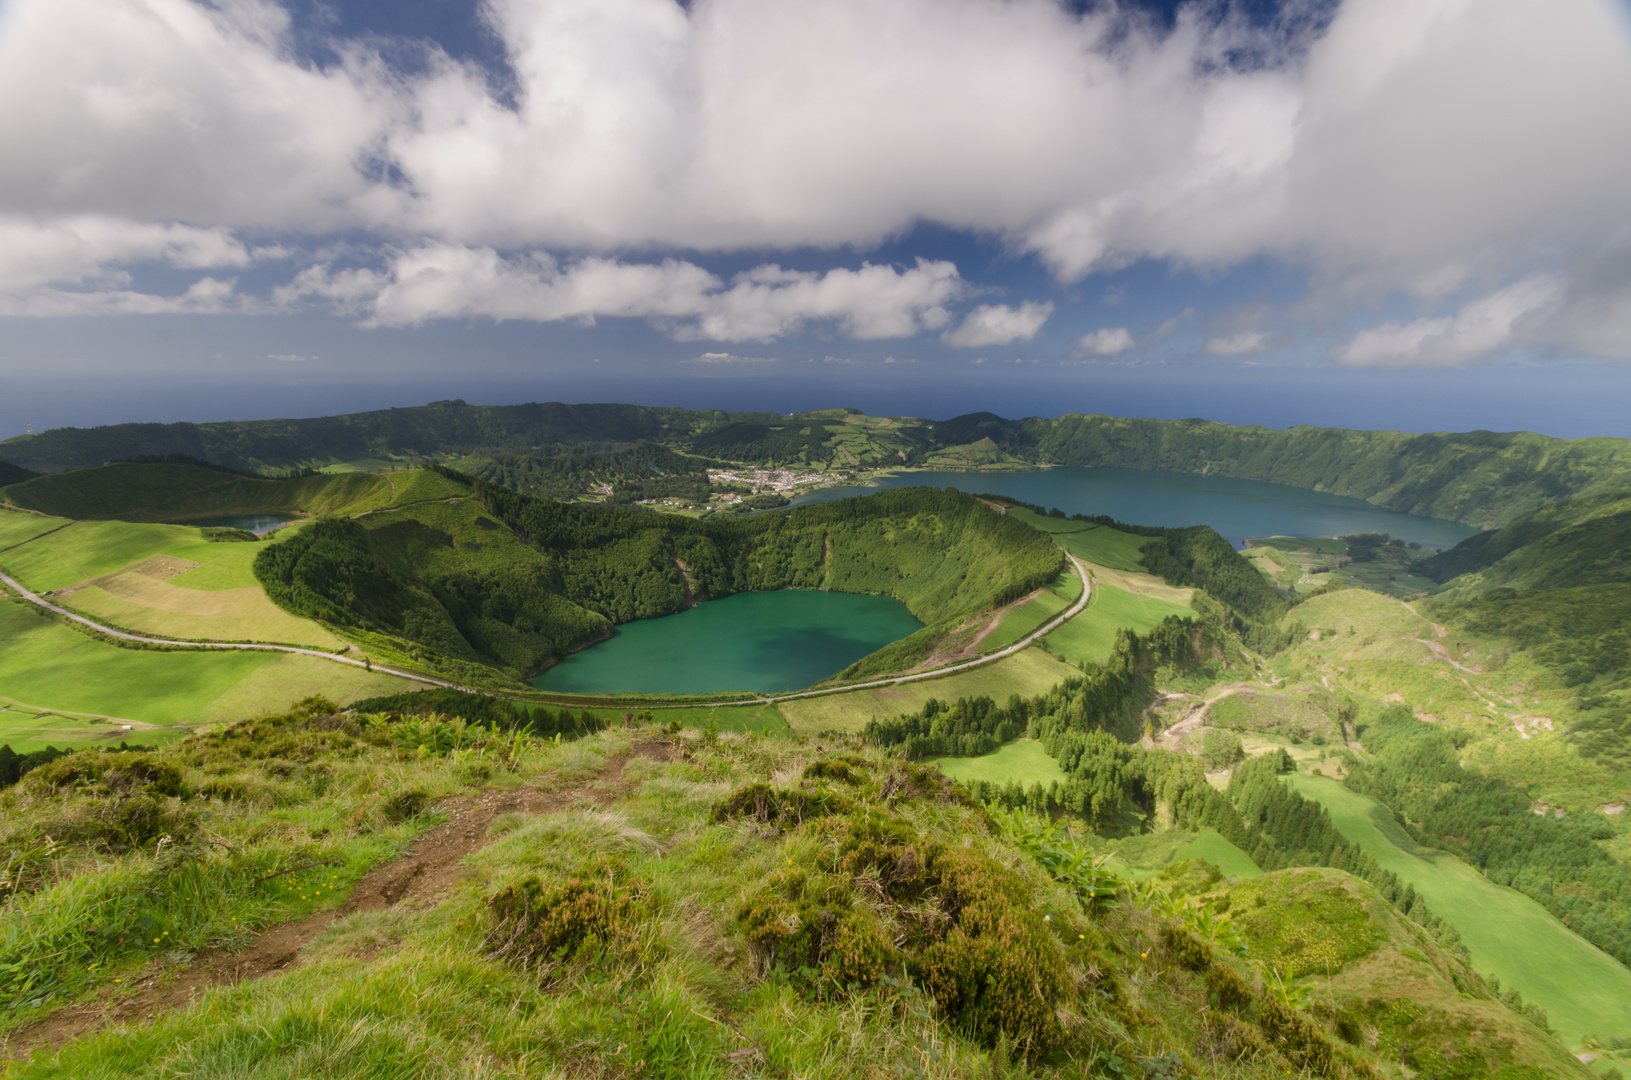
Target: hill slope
{"x": 637, "y": 903}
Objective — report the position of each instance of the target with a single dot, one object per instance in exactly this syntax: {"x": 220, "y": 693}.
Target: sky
{"x": 1412, "y": 214}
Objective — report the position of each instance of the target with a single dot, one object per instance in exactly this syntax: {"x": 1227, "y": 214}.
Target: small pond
{"x": 760, "y": 641}
{"x": 259, "y": 524}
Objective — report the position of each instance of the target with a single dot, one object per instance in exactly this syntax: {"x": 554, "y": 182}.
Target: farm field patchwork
{"x": 1583, "y": 990}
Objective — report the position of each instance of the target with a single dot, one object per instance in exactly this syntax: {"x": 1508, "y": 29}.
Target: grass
{"x": 679, "y": 984}
{"x": 1023, "y": 760}
{"x": 763, "y": 719}
{"x": 1210, "y": 846}
{"x": 1583, "y": 990}
{"x": 48, "y": 665}
{"x": 1094, "y": 543}
{"x": 1028, "y": 672}
{"x": 1089, "y": 637}
{"x": 25, "y": 727}
{"x": 1023, "y": 619}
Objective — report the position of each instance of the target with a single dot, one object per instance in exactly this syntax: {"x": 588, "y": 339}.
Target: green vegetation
{"x": 1090, "y": 637}
{"x": 1029, "y": 671}
{"x": 1022, "y": 761}
{"x": 460, "y": 584}
{"x": 863, "y": 920}
{"x": 1024, "y": 619}
{"x": 1558, "y": 862}
{"x": 49, "y": 665}
{"x": 1481, "y": 478}
{"x": 1506, "y": 933}
{"x": 646, "y": 471}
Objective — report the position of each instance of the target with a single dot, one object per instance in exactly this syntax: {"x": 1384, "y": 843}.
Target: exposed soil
{"x": 421, "y": 878}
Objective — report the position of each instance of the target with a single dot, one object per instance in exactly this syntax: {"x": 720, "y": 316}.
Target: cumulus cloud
{"x": 442, "y": 281}
{"x": 1109, "y": 341}
{"x": 1365, "y": 153}
{"x": 1478, "y": 329}
{"x": 999, "y": 324}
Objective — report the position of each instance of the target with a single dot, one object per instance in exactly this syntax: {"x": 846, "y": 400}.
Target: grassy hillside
{"x": 1507, "y": 934}
{"x": 635, "y": 903}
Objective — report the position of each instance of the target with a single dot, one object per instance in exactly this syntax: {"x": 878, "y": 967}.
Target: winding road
{"x": 17, "y": 587}
{"x": 895, "y": 680}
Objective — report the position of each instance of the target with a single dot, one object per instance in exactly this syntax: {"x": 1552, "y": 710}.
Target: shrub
{"x": 535, "y": 923}
{"x": 805, "y": 930}
{"x": 1231, "y": 991}
{"x": 777, "y": 806}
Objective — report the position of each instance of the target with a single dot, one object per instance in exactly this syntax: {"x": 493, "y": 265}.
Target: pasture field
{"x": 1092, "y": 543}
{"x": 1068, "y": 584}
{"x": 1583, "y": 990}
{"x": 26, "y": 727}
{"x": 1025, "y": 618}
{"x": 1023, "y": 760}
{"x": 1210, "y": 845}
{"x": 49, "y": 666}
{"x": 1027, "y": 673}
{"x": 165, "y": 580}
{"x": 1143, "y": 855}
{"x": 1090, "y": 636}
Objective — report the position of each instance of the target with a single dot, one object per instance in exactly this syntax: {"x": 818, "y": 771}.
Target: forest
{"x": 537, "y": 578}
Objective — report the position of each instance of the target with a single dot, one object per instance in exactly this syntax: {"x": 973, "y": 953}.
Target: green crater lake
{"x": 760, "y": 641}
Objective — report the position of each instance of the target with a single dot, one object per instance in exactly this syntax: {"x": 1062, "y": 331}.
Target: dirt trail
{"x": 421, "y": 878}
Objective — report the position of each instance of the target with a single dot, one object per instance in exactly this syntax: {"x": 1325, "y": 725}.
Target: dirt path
{"x": 1197, "y": 716}
{"x": 421, "y": 878}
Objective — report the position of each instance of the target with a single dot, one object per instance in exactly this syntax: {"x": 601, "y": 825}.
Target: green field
{"x": 1583, "y": 990}
{"x": 1210, "y": 845}
{"x": 1023, "y": 760}
{"x": 1141, "y": 856}
{"x": 1025, "y": 618}
{"x": 1089, "y": 637}
{"x": 1095, "y": 543}
{"x": 1028, "y": 672}
{"x": 49, "y": 666}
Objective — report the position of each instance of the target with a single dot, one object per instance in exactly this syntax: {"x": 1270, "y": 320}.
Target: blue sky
{"x": 1372, "y": 213}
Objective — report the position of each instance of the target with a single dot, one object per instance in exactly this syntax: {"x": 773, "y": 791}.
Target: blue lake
{"x": 1239, "y": 509}
{"x": 762, "y": 641}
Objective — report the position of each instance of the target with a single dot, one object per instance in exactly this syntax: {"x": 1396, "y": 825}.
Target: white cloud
{"x": 641, "y": 125}
{"x": 1478, "y": 329}
{"x": 442, "y": 281}
{"x": 1244, "y": 343}
{"x": 1109, "y": 341}
{"x": 999, "y": 324}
